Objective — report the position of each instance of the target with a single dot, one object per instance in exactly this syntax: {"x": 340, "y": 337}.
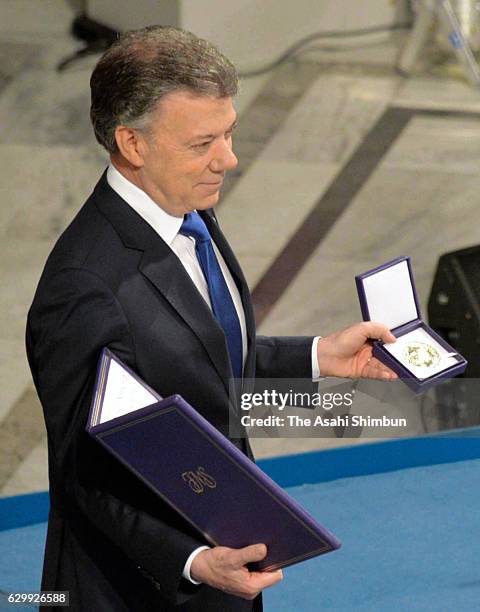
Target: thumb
{"x": 379, "y": 331}
{"x": 254, "y": 552}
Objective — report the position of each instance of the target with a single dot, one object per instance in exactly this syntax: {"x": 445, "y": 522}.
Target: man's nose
{"x": 224, "y": 159}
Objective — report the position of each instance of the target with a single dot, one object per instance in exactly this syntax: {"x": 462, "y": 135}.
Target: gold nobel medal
{"x": 421, "y": 355}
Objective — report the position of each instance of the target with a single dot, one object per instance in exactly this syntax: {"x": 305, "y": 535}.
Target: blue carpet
{"x": 21, "y": 558}
{"x": 410, "y": 543}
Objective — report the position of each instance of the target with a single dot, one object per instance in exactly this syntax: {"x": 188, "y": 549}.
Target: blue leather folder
{"x": 200, "y": 473}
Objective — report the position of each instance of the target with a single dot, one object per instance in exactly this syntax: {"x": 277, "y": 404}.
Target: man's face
{"x": 187, "y": 151}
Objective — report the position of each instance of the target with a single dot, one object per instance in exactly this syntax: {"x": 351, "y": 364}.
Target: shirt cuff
{"x": 188, "y": 564}
{"x": 315, "y": 366}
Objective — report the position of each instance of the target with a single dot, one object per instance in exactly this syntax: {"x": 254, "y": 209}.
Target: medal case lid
{"x": 387, "y": 294}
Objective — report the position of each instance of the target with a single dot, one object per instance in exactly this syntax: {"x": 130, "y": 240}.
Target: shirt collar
{"x": 167, "y": 226}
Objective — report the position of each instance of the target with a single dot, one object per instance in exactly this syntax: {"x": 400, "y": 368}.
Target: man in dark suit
{"x": 129, "y": 273}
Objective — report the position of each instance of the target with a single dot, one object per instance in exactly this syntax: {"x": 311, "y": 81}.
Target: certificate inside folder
{"x": 199, "y": 472}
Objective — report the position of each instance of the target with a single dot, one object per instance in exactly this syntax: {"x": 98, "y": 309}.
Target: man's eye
{"x": 201, "y": 145}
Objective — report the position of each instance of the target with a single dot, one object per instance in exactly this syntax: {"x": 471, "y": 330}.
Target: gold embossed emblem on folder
{"x": 198, "y": 480}
{"x": 421, "y": 355}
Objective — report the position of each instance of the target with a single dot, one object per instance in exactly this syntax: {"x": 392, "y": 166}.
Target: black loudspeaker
{"x": 454, "y": 304}
{"x": 454, "y": 313}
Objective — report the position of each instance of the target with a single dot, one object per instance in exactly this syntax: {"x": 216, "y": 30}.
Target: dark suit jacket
{"x": 111, "y": 281}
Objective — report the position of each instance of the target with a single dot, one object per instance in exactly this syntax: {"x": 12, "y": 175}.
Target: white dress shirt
{"x": 167, "y": 227}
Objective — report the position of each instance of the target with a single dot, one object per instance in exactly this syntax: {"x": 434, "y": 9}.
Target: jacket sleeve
{"x": 284, "y": 356}
{"x": 73, "y": 316}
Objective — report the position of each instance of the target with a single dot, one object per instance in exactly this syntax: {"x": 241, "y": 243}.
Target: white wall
{"x": 252, "y": 32}
{"x": 249, "y": 32}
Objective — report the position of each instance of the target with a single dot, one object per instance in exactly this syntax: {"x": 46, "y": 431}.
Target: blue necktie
{"x": 220, "y": 297}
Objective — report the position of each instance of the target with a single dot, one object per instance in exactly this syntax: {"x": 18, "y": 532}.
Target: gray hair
{"x": 145, "y": 65}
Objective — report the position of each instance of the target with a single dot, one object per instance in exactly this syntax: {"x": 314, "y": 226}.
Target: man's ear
{"x": 131, "y": 145}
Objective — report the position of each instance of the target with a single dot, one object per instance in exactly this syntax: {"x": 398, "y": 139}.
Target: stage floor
{"x": 410, "y": 536}
{"x": 410, "y": 542}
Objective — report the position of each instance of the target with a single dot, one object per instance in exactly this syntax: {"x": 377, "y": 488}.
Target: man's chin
{"x": 208, "y": 202}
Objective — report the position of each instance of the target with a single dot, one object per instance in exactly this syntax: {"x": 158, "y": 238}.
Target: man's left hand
{"x": 348, "y": 353}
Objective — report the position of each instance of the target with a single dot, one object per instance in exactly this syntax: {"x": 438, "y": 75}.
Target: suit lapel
{"x": 167, "y": 274}
{"x": 163, "y": 269}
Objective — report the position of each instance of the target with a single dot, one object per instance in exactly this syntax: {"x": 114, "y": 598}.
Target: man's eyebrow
{"x": 204, "y": 136}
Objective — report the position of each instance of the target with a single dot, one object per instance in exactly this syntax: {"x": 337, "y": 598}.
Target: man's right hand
{"x": 224, "y": 568}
